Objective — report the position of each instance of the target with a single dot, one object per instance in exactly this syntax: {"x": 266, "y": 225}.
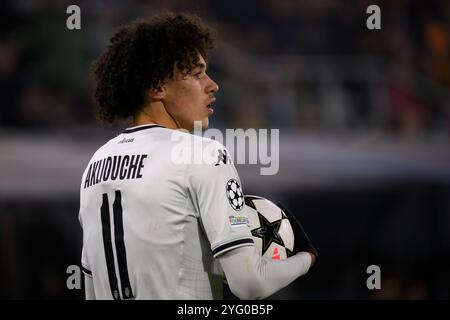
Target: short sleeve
{"x": 217, "y": 193}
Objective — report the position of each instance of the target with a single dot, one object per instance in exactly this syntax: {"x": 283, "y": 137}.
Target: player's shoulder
{"x": 132, "y": 136}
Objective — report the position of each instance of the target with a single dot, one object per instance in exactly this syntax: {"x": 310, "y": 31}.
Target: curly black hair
{"x": 141, "y": 55}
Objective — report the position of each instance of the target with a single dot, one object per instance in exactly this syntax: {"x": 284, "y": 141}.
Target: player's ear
{"x": 157, "y": 93}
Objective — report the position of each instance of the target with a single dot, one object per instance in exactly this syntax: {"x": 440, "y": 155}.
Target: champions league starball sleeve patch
{"x": 235, "y": 195}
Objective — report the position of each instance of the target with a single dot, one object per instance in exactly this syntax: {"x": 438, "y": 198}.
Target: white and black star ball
{"x": 235, "y": 195}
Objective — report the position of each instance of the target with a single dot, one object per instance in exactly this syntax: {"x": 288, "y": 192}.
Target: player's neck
{"x": 154, "y": 115}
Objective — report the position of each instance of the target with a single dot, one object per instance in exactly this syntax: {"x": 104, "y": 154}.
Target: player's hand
{"x": 301, "y": 239}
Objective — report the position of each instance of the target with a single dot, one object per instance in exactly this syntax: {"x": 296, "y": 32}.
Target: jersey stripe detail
{"x": 232, "y": 245}
{"x": 86, "y": 271}
{"x": 130, "y": 130}
{"x": 127, "y": 293}
{"x": 106, "y": 231}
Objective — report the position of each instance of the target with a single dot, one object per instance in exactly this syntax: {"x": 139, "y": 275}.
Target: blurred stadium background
{"x": 364, "y": 119}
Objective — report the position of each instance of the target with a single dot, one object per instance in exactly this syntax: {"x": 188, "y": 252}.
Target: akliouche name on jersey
{"x": 115, "y": 167}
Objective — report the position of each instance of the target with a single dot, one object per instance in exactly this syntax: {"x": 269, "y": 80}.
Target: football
{"x": 271, "y": 230}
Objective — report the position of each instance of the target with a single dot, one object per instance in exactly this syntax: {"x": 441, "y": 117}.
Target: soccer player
{"x": 155, "y": 227}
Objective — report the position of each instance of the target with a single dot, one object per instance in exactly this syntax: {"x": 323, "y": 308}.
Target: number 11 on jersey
{"x": 127, "y": 293}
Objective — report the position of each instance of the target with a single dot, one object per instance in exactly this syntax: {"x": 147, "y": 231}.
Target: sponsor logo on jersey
{"x": 223, "y": 157}
{"x": 125, "y": 140}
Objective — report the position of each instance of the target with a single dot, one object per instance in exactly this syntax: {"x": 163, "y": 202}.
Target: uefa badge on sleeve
{"x": 235, "y": 195}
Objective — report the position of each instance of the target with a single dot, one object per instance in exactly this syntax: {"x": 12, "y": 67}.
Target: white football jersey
{"x": 154, "y": 216}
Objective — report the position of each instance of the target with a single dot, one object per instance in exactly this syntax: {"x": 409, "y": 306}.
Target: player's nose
{"x": 212, "y": 86}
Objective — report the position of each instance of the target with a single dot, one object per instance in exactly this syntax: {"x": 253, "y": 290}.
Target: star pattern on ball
{"x": 268, "y": 232}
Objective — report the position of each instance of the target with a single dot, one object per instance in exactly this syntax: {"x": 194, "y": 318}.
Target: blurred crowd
{"x": 308, "y": 66}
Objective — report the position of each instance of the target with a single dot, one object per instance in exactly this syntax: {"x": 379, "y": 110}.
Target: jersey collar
{"x": 142, "y": 127}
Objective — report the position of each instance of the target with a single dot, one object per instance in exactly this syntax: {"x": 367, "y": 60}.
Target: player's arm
{"x": 248, "y": 274}
{"x": 251, "y": 276}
